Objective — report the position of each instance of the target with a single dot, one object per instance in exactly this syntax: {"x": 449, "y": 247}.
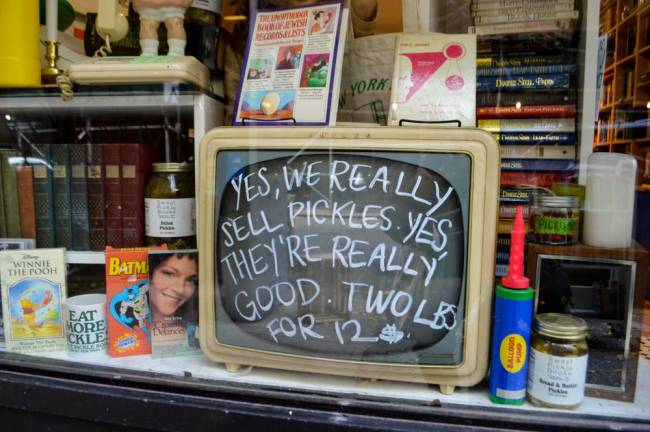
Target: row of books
{"x": 521, "y": 16}
{"x": 76, "y": 196}
{"x": 526, "y": 97}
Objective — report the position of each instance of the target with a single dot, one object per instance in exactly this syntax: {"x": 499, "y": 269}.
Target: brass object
{"x": 50, "y": 72}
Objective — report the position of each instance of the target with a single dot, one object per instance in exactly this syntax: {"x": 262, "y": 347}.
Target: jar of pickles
{"x": 169, "y": 206}
{"x": 555, "y": 220}
{"x": 557, "y": 366}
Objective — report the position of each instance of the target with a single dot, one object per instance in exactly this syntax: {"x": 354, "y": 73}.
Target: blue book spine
{"x": 79, "y": 198}
{"x": 531, "y": 138}
{"x": 557, "y": 165}
{"x": 526, "y": 70}
{"x": 523, "y": 82}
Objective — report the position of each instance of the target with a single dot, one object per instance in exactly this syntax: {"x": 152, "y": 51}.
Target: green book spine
{"x": 79, "y": 198}
{"x": 44, "y": 197}
{"x": 10, "y": 192}
{"x": 62, "y": 201}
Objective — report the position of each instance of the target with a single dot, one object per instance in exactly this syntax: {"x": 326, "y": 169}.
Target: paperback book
{"x": 292, "y": 66}
{"x": 434, "y": 79}
{"x": 33, "y": 284}
{"x": 174, "y": 302}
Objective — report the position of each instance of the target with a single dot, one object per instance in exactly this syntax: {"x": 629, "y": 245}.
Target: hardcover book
{"x": 524, "y": 111}
{"x": 79, "y": 198}
{"x": 25, "y": 182}
{"x": 95, "y": 190}
{"x": 292, "y": 66}
{"x": 62, "y": 182}
{"x": 10, "y": 193}
{"x": 434, "y": 79}
{"x": 524, "y": 82}
{"x": 526, "y": 70}
{"x": 528, "y": 125}
{"x": 488, "y": 62}
{"x": 539, "y": 165}
{"x": 567, "y": 152}
{"x": 112, "y": 195}
{"x": 543, "y": 179}
{"x": 135, "y": 167}
{"x": 561, "y": 97}
{"x": 541, "y": 26}
{"x": 33, "y": 287}
{"x": 525, "y": 15}
{"x": 44, "y": 197}
{"x": 526, "y": 138}
{"x": 174, "y": 302}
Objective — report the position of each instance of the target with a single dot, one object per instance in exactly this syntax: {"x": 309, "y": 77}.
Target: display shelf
{"x": 198, "y": 371}
{"x": 85, "y": 257}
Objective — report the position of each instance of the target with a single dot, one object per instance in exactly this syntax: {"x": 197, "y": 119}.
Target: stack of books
{"x": 526, "y": 97}
{"x": 76, "y": 196}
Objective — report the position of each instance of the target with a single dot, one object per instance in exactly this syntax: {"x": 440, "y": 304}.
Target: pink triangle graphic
{"x": 423, "y": 65}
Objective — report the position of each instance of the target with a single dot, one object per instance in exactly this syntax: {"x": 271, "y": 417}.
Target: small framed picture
{"x": 605, "y": 288}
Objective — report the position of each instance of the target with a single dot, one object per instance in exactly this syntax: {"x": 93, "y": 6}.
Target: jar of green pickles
{"x": 557, "y": 365}
{"x": 555, "y": 220}
{"x": 169, "y": 206}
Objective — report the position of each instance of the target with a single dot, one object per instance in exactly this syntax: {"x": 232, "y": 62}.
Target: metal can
{"x": 555, "y": 220}
{"x": 170, "y": 206}
{"x": 557, "y": 368}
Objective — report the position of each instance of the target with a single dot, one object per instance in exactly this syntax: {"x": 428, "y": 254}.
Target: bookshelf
{"x": 623, "y": 116}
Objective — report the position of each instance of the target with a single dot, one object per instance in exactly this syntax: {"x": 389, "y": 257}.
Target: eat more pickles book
{"x": 33, "y": 290}
{"x": 434, "y": 79}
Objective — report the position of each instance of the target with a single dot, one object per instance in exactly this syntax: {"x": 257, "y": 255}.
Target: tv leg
{"x": 446, "y": 389}
{"x": 233, "y": 367}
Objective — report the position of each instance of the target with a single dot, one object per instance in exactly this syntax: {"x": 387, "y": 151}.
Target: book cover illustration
{"x": 33, "y": 286}
{"x": 127, "y": 315}
{"x": 434, "y": 78}
{"x": 174, "y": 303}
{"x": 292, "y": 65}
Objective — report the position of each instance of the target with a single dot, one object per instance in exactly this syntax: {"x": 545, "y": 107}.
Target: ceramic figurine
{"x": 154, "y": 12}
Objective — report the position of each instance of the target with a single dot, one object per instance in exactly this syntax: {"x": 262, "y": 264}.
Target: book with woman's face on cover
{"x": 173, "y": 302}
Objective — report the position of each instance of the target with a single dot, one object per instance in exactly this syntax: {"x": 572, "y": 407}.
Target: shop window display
{"x": 460, "y": 232}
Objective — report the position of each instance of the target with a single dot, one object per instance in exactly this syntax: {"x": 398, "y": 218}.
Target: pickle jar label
{"x": 557, "y": 380}
{"x": 555, "y": 225}
{"x": 169, "y": 217}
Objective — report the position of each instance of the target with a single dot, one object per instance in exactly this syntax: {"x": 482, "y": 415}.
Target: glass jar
{"x": 557, "y": 366}
{"x": 555, "y": 220}
{"x": 169, "y": 205}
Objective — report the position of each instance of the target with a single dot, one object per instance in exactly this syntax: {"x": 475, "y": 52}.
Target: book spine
{"x": 526, "y": 70}
{"x": 510, "y": 211}
{"x": 501, "y": 270}
{"x": 44, "y": 197}
{"x": 504, "y": 226}
{"x": 544, "y": 179}
{"x": 503, "y": 241}
{"x": 95, "y": 189}
{"x": 62, "y": 201}
{"x": 526, "y": 111}
{"x": 522, "y": 27}
{"x": 497, "y": 4}
{"x": 524, "y": 82}
{"x": 521, "y": 195}
{"x": 112, "y": 195}
{"x": 525, "y": 9}
{"x": 10, "y": 192}
{"x": 517, "y": 60}
{"x": 3, "y": 223}
{"x": 523, "y": 138}
{"x": 136, "y": 161}
{"x": 528, "y": 125}
{"x": 79, "y": 198}
{"x": 25, "y": 180}
{"x": 557, "y": 165}
{"x": 525, "y": 16}
{"x": 567, "y": 152}
{"x": 529, "y": 97}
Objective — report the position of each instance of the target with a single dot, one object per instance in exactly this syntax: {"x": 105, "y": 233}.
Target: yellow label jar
{"x": 170, "y": 206}
{"x": 557, "y": 367}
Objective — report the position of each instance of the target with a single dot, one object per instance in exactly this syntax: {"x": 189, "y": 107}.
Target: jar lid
{"x": 172, "y": 167}
{"x": 561, "y": 326}
{"x": 558, "y": 201}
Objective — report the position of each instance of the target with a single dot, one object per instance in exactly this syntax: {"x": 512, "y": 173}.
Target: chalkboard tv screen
{"x": 344, "y": 253}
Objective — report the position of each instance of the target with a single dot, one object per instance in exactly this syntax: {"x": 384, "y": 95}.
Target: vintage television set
{"x": 365, "y": 252}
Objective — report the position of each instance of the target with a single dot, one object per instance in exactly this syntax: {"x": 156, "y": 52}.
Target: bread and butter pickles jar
{"x": 169, "y": 206}
{"x": 557, "y": 368}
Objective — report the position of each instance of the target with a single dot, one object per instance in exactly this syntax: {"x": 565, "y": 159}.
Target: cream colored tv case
{"x": 365, "y": 252}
